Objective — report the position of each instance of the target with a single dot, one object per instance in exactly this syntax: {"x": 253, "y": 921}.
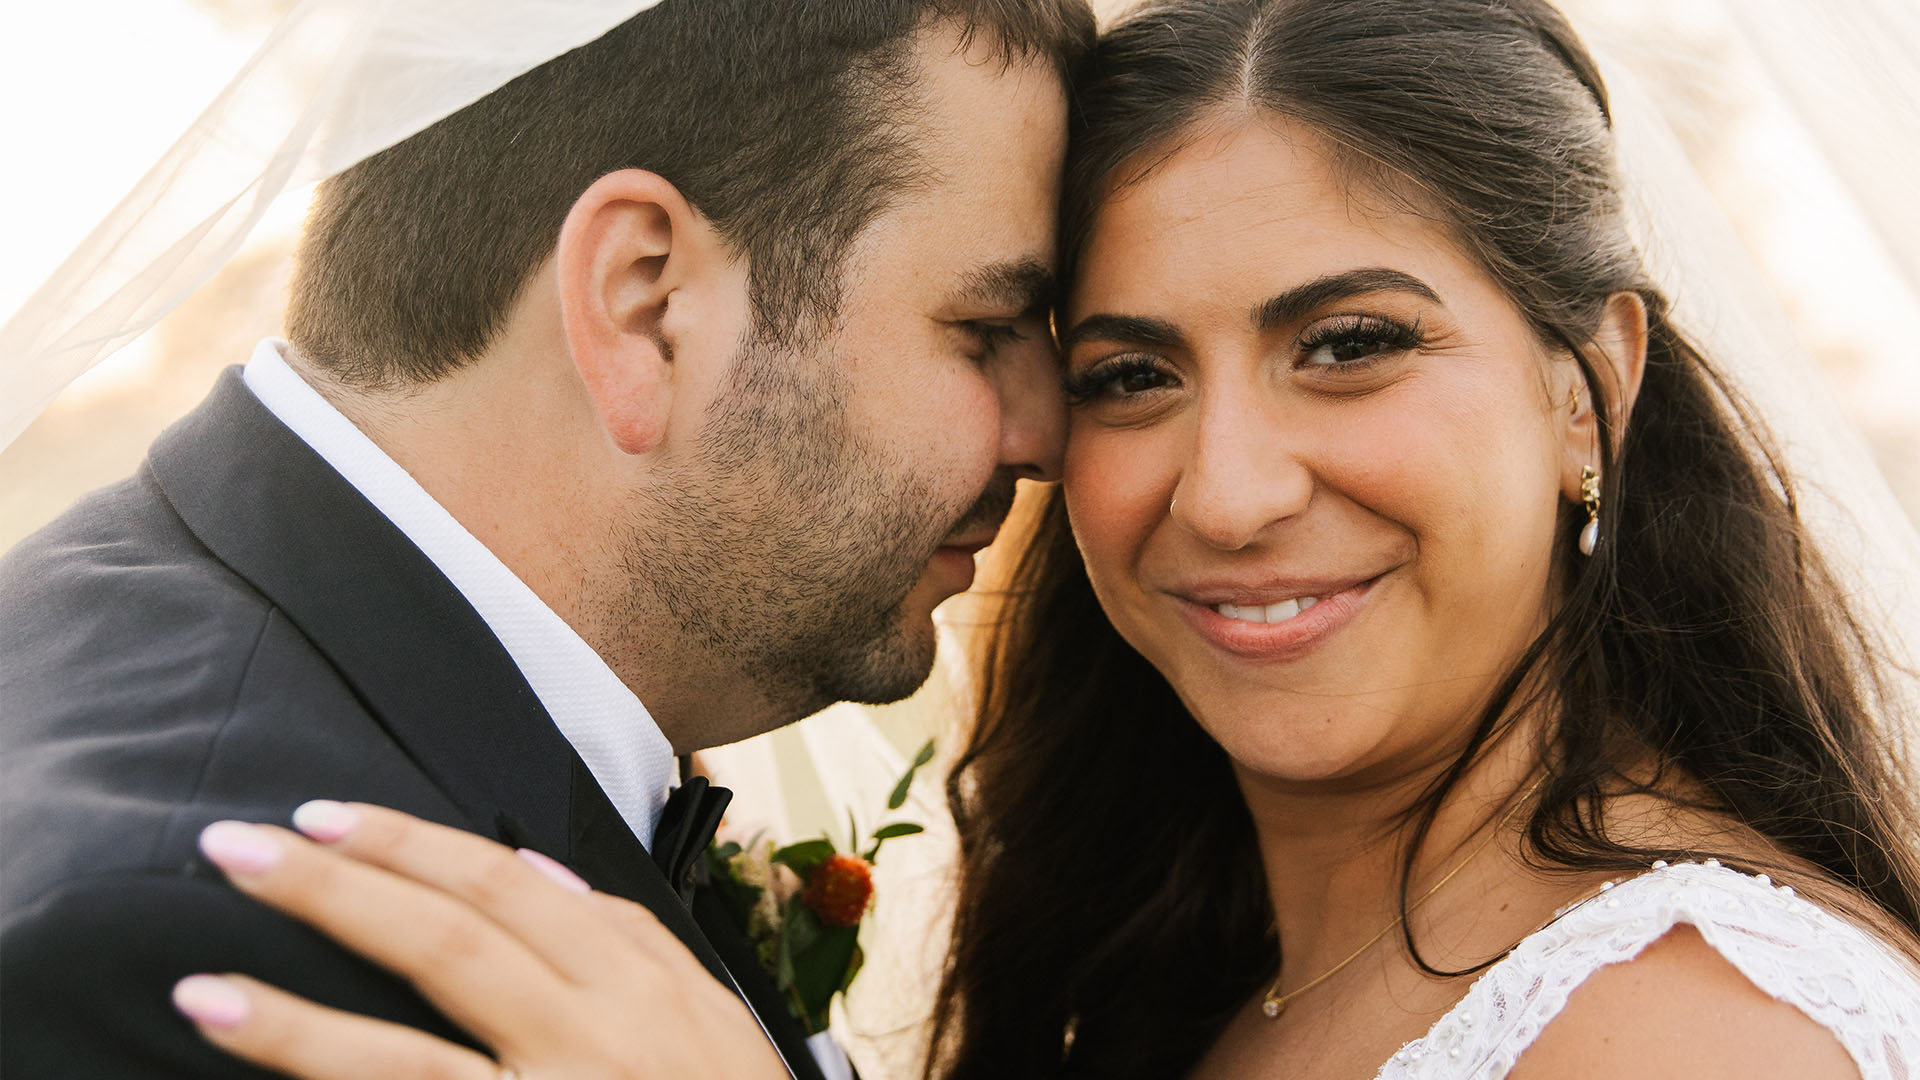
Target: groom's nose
{"x": 1033, "y": 412}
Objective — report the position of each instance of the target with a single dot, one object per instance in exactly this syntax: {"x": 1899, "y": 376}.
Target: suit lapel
{"x": 605, "y": 853}
{"x": 607, "y": 856}
{"x": 413, "y": 650}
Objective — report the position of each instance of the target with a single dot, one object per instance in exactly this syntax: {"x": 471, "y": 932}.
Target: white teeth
{"x": 1269, "y": 613}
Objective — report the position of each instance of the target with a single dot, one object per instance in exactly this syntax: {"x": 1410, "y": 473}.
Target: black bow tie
{"x": 686, "y": 830}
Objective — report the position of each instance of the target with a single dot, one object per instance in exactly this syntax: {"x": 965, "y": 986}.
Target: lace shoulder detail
{"x": 1845, "y": 979}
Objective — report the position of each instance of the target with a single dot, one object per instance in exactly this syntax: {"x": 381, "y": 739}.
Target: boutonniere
{"x": 801, "y": 905}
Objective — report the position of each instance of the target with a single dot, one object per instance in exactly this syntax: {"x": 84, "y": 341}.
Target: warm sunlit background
{"x": 91, "y": 93}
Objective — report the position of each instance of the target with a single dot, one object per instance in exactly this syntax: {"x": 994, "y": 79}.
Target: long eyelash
{"x": 1377, "y": 330}
{"x": 1088, "y": 384}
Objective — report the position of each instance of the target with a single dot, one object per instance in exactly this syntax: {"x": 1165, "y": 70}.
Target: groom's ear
{"x": 639, "y": 270}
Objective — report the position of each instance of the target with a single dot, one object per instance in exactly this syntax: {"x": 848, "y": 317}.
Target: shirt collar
{"x": 604, "y": 721}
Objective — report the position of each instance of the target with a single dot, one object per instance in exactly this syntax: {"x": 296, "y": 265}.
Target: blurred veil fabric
{"x": 1848, "y": 71}
{"x": 340, "y": 80}
{"x": 1843, "y": 74}
{"x": 337, "y": 81}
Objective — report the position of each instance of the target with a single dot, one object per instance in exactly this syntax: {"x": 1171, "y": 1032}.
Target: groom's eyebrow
{"x": 1020, "y": 285}
{"x": 1303, "y": 300}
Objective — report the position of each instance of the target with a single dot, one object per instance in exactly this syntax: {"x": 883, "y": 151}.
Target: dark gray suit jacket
{"x": 231, "y": 632}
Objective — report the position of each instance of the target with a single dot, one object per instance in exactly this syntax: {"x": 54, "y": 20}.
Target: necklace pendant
{"x": 1272, "y": 1008}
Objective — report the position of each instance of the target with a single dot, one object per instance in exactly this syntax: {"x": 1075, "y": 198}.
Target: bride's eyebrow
{"x": 1302, "y": 300}
{"x": 1282, "y": 310}
{"x": 1129, "y": 329}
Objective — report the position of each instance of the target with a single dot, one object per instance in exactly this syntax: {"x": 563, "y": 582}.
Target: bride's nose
{"x": 1241, "y": 475}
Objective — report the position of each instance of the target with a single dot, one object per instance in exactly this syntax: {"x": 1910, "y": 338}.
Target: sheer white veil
{"x": 336, "y": 81}
{"x": 1842, "y": 70}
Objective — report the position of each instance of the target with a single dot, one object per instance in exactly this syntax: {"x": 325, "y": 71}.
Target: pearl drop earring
{"x": 1590, "y": 495}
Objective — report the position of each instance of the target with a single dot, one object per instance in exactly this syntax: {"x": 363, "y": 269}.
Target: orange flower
{"x": 838, "y": 890}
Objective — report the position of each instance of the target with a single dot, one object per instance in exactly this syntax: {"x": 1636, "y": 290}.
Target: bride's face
{"x": 1315, "y": 458}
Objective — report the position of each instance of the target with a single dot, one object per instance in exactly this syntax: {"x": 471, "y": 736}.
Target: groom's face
{"x": 845, "y": 484}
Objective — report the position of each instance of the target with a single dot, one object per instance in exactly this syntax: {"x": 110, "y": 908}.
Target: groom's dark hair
{"x": 786, "y": 122}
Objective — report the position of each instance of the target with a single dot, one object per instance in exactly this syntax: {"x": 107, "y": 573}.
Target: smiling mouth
{"x": 1250, "y": 623}
{"x": 1268, "y": 613}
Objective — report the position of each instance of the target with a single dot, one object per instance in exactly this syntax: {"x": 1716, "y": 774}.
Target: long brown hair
{"x": 1112, "y": 911}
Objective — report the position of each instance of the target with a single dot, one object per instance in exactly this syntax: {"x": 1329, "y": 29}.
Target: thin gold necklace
{"x": 1275, "y": 1003}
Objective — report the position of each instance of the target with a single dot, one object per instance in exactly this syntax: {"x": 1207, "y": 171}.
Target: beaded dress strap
{"x": 1845, "y": 979}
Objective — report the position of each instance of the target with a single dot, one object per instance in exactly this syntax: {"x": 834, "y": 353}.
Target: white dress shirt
{"x": 606, "y": 723}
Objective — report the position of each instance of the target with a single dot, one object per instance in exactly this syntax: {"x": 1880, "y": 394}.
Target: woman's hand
{"x": 560, "y": 981}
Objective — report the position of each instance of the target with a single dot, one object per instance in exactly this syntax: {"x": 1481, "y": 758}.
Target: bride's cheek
{"x": 1117, "y": 485}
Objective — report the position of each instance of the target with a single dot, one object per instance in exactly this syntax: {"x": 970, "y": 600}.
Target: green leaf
{"x": 820, "y": 970}
{"x": 783, "y": 961}
{"x": 802, "y": 929}
{"x": 853, "y": 967}
{"x": 888, "y": 832}
{"x": 726, "y": 851}
{"x": 798, "y": 968}
{"x": 899, "y": 797}
{"x": 804, "y": 857}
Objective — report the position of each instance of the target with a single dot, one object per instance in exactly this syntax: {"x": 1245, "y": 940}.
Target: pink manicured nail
{"x": 553, "y": 871}
{"x": 239, "y": 848}
{"x": 210, "y": 1000}
{"x": 325, "y": 820}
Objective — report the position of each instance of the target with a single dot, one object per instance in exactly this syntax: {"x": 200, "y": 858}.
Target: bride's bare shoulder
{"x": 1680, "y": 1009}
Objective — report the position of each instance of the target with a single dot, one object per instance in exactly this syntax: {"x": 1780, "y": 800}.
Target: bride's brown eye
{"x": 1117, "y": 379}
{"x": 1353, "y": 341}
{"x": 1351, "y": 349}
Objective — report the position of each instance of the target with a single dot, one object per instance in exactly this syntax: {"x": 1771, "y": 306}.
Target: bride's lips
{"x": 1334, "y": 608}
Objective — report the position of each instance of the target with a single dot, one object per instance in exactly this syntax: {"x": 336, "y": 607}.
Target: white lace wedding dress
{"x": 1844, "y": 978}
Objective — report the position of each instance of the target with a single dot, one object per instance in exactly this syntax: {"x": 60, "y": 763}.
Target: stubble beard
{"x": 787, "y": 551}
